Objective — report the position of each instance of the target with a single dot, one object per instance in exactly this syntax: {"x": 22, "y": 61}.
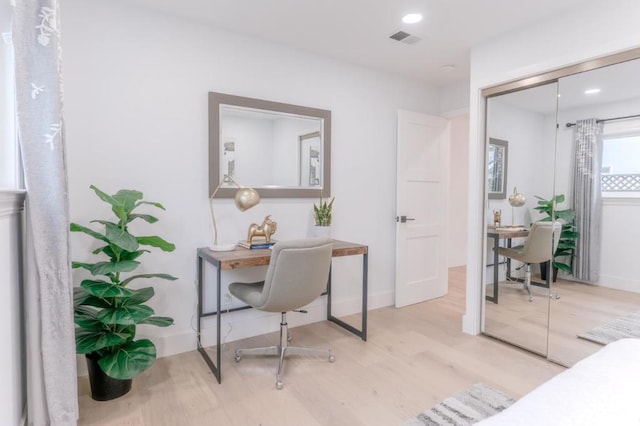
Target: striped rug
{"x": 619, "y": 328}
{"x": 465, "y": 408}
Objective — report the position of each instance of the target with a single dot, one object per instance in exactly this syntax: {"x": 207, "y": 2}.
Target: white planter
{"x": 321, "y": 231}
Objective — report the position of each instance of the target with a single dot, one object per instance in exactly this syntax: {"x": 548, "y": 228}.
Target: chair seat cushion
{"x": 249, "y": 293}
{"x": 513, "y": 252}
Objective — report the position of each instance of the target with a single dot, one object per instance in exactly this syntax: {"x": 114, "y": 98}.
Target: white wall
{"x": 458, "y": 191}
{"x": 136, "y": 86}
{"x": 530, "y": 159}
{"x": 12, "y": 368}
{"x": 454, "y": 104}
{"x": 594, "y": 30}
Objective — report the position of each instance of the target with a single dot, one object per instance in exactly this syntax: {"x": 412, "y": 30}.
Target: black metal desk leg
{"x": 199, "y": 266}
{"x": 365, "y": 286}
{"x": 215, "y": 370}
{"x": 218, "y": 305}
{"x": 360, "y": 333}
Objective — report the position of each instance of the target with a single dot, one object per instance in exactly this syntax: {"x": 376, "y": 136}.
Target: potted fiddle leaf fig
{"x": 568, "y": 235}
{"x": 107, "y": 307}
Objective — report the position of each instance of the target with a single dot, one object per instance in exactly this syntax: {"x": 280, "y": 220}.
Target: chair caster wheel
{"x": 530, "y": 299}
{"x": 279, "y": 385}
{"x": 238, "y": 358}
{"x": 332, "y": 358}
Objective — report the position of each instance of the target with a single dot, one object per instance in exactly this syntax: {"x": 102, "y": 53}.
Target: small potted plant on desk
{"x": 568, "y": 235}
{"x": 106, "y": 310}
{"x": 322, "y": 217}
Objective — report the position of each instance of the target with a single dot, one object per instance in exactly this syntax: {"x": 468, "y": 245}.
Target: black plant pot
{"x": 103, "y": 387}
{"x": 543, "y": 272}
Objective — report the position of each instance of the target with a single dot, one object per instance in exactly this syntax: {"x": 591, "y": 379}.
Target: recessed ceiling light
{"x": 591, "y": 91}
{"x": 412, "y": 18}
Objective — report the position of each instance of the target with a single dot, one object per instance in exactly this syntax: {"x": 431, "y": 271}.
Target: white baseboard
{"x": 619, "y": 283}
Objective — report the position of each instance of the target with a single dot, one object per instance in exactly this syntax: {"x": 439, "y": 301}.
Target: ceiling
{"x": 357, "y": 31}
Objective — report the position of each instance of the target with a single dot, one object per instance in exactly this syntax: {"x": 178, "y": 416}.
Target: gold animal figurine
{"x": 266, "y": 230}
{"x": 497, "y": 218}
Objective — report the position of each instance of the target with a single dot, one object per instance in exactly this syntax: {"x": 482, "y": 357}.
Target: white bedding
{"x": 602, "y": 389}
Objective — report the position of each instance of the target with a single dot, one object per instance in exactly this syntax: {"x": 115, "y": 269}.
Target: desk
{"x": 243, "y": 258}
{"x": 497, "y": 234}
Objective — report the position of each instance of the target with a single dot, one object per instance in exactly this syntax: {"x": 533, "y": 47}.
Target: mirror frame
{"x": 505, "y": 145}
{"x": 271, "y": 191}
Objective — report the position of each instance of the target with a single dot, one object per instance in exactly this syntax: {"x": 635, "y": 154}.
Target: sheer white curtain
{"x": 587, "y": 198}
{"x": 50, "y": 358}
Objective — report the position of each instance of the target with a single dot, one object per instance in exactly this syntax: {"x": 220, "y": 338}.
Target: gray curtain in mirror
{"x": 587, "y": 199}
{"x": 50, "y": 358}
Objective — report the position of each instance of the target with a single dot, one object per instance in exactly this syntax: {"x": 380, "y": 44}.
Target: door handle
{"x": 404, "y": 219}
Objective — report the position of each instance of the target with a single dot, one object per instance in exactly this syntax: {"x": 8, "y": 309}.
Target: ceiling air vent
{"x": 405, "y": 38}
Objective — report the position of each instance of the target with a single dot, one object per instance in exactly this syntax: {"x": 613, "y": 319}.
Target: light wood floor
{"x": 415, "y": 357}
{"x": 580, "y": 308}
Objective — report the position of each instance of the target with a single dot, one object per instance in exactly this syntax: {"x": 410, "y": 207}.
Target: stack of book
{"x": 257, "y": 244}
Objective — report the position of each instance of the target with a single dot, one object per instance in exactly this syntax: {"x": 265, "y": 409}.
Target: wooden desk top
{"x": 505, "y": 232}
{"x": 245, "y": 258}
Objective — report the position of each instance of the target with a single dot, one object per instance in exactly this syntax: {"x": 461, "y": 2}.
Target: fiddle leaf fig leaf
{"x": 86, "y": 318}
{"x": 88, "y": 341}
{"x": 139, "y": 296}
{"x": 125, "y": 315}
{"x": 129, "y": 360}
{"x": 146, "y": 217}
{"x": 157, "y": 242}
{"x": 158, "y": 321}
{"x": 105, "y": 289}
{"x": 158, "y": 205}
{"x": 105, "y": 268}
{"x": 121, "y": 238}
{"x": 116, "y": 205}
{"x": 135, "y": 277}
{"x": 74, "y": 227}
{"x": 128, "y": 198}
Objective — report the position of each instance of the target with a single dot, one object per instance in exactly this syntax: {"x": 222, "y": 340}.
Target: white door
{"x": 421, "y": 207}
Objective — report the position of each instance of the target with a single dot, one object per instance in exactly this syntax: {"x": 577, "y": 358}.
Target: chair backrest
{"x": 538, "y": 248}
{"x": 298, "y": 273}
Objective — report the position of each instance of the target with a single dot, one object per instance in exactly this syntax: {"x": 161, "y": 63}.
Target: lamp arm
{"x": 224, "y": 180}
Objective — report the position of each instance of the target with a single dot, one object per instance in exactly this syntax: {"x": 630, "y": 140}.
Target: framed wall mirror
{"x": 281, "y": 150}
{"x": 497, "y": 157}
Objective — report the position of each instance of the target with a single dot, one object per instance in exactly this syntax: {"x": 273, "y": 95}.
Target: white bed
{"x": 602, "y": 389}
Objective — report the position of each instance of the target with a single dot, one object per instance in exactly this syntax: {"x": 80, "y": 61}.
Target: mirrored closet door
{"x": 520, "y": 142}
{"x": 598, "y": 168}
{"x": 567, "y": 150}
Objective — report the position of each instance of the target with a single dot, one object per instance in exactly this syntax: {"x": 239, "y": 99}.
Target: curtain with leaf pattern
{"x": 587, "y": 198}
{"x": 50, "y": 358}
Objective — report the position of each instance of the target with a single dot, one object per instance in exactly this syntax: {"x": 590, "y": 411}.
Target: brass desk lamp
{"x": 245, "y": 198}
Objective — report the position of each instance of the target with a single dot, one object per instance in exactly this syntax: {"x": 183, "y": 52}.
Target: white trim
{"x": 618, "y": 283}
{"x": 11, "y": 201}
{"x": 620, "y": 198}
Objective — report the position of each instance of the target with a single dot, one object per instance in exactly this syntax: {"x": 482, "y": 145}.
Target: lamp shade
{"x": 516, "y": 199}
{"x": 246, "y": 198}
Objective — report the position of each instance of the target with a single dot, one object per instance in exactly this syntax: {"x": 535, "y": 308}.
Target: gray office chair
{"x": 539, "y": 247}
{"x": 298, "y": 273}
